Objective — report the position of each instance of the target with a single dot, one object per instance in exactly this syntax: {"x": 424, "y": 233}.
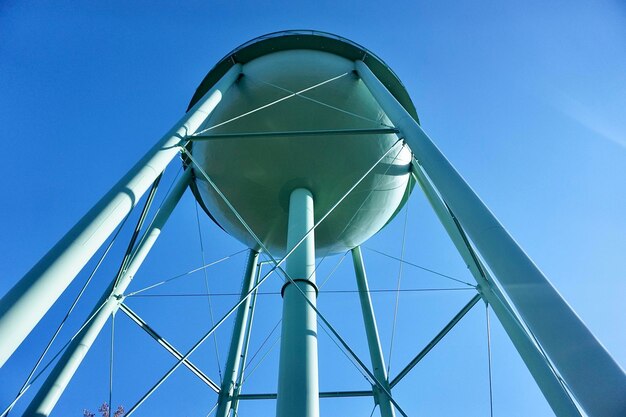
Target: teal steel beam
{"x": 373, "y": 340}
{"x": 592, "y": 375}
{"x": 435, "y": 340}
{"x": 236, "y": 342}
{"x": 55, "y": 383}
{"x": 298, "y": 386}
{"x": 168, "y": 346}
{"x": 332, "y": 132}
{"x": 27, "y": 302}
{"x": 246, "y": 345}
{"x": 329, "y": 394}
{"x": 548, "y": 381}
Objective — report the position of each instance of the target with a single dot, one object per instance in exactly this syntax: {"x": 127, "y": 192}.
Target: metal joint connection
{"x": 282, "y": 290}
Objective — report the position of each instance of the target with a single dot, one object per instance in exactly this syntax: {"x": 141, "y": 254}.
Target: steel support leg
{"x": 26, "y": 303}
{"x": 246, "y": 346}
{"x": 548, "y": 382}
{"x": 373, "y": 341}
{"x": 55, "y": 384}
{"x": 592, "y": 375}
{"x": 237, "y": 339}
{"x": 298, "y": 386}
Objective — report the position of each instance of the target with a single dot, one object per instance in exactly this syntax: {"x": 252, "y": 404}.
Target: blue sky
{"x": 527, "y": 100}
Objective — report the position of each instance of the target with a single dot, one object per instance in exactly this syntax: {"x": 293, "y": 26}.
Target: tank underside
{"x": 257, "y": 174}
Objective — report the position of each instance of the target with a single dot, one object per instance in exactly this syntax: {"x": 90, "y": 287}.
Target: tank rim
{"x": 307, "y": 39}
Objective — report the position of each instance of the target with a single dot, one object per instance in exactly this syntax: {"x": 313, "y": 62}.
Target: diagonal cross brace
{"x": 277, "y": 266}
{"x": 169, "y": 347}
{"x": 435, "y": 340}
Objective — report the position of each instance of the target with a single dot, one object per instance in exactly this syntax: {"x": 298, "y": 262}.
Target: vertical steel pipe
{"x": 246, "y": 346}
{"x": 26, "y": 303}
{"x": 596, "y": 380}
{"x": 298, "y": 386}
{"x": 373, "y": 340}
{"x": 236, "y": 342}
{"x": 59, "y": 378}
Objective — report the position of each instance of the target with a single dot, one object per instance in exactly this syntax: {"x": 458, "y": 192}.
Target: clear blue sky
{"x": 527, "y": 100}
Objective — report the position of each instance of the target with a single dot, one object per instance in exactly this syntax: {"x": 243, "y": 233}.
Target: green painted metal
{"x": 168, "y": 346}
{"x": 236, "y": 342}
{"x": 298, "y": 385}
{"x": 435, "y": 340}
{"x": 258, "y": 171}
{"x": 246, "y": 346}
{"x": 592, "y": 375}
{"x": 54, "y": 385}
{"x": 547, "y": 381}
{"x": 371, "y": 331}
{"x": 327, "y": 394}
{"x": 307, "y": 40}
{"x": 24, "y": 305}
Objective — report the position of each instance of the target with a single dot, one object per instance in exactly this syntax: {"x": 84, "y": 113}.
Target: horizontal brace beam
{"x": 435, "y": 340}
{"x": 329, "y": 394}
{"x": 331, "y": 132}
{"x": 168, "y": 346}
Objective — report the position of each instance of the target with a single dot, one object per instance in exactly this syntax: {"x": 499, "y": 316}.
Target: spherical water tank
{"x": 301, "y": 81}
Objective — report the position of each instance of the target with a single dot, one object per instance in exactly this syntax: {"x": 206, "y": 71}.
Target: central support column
{"x": 298, "y": 386}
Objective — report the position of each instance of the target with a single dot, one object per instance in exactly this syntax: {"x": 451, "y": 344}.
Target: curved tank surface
{"x": 301, "y": 81}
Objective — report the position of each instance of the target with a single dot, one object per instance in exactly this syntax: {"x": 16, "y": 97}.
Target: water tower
{"x": 301, "y": 144}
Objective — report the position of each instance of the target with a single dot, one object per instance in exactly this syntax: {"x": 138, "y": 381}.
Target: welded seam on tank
{"x": 278, "y": 263}
{"x": 377, "y": 122}
{"x": 264, "y": 106}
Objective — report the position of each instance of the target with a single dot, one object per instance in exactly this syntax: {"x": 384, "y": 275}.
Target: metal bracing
{"x": 198, "y": 344}
{"x": 29, "y": 379}
{"x": 26, "y": 303}
{"x": 592, "y": 375}
{"x": 488, "y": 325}
{"x": 371, "y": 331}
{"x": 168, "y": 346}
{"x": 277, "y": 265}
{"x": 435, "y": 340}
{"x": 321, "y": 103}
{"x": 55, "y": 383}
{"x": 246, "y": 345}
{"x": 294, "y": 133}
{"x": 237, "y": 340}
{"x": 208, "y": 294}
{"x": 328, "y": 394}
{"x": 272, "y": 103}
{"x": 538, "y": 365}
{"x": 184, "y": 274}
